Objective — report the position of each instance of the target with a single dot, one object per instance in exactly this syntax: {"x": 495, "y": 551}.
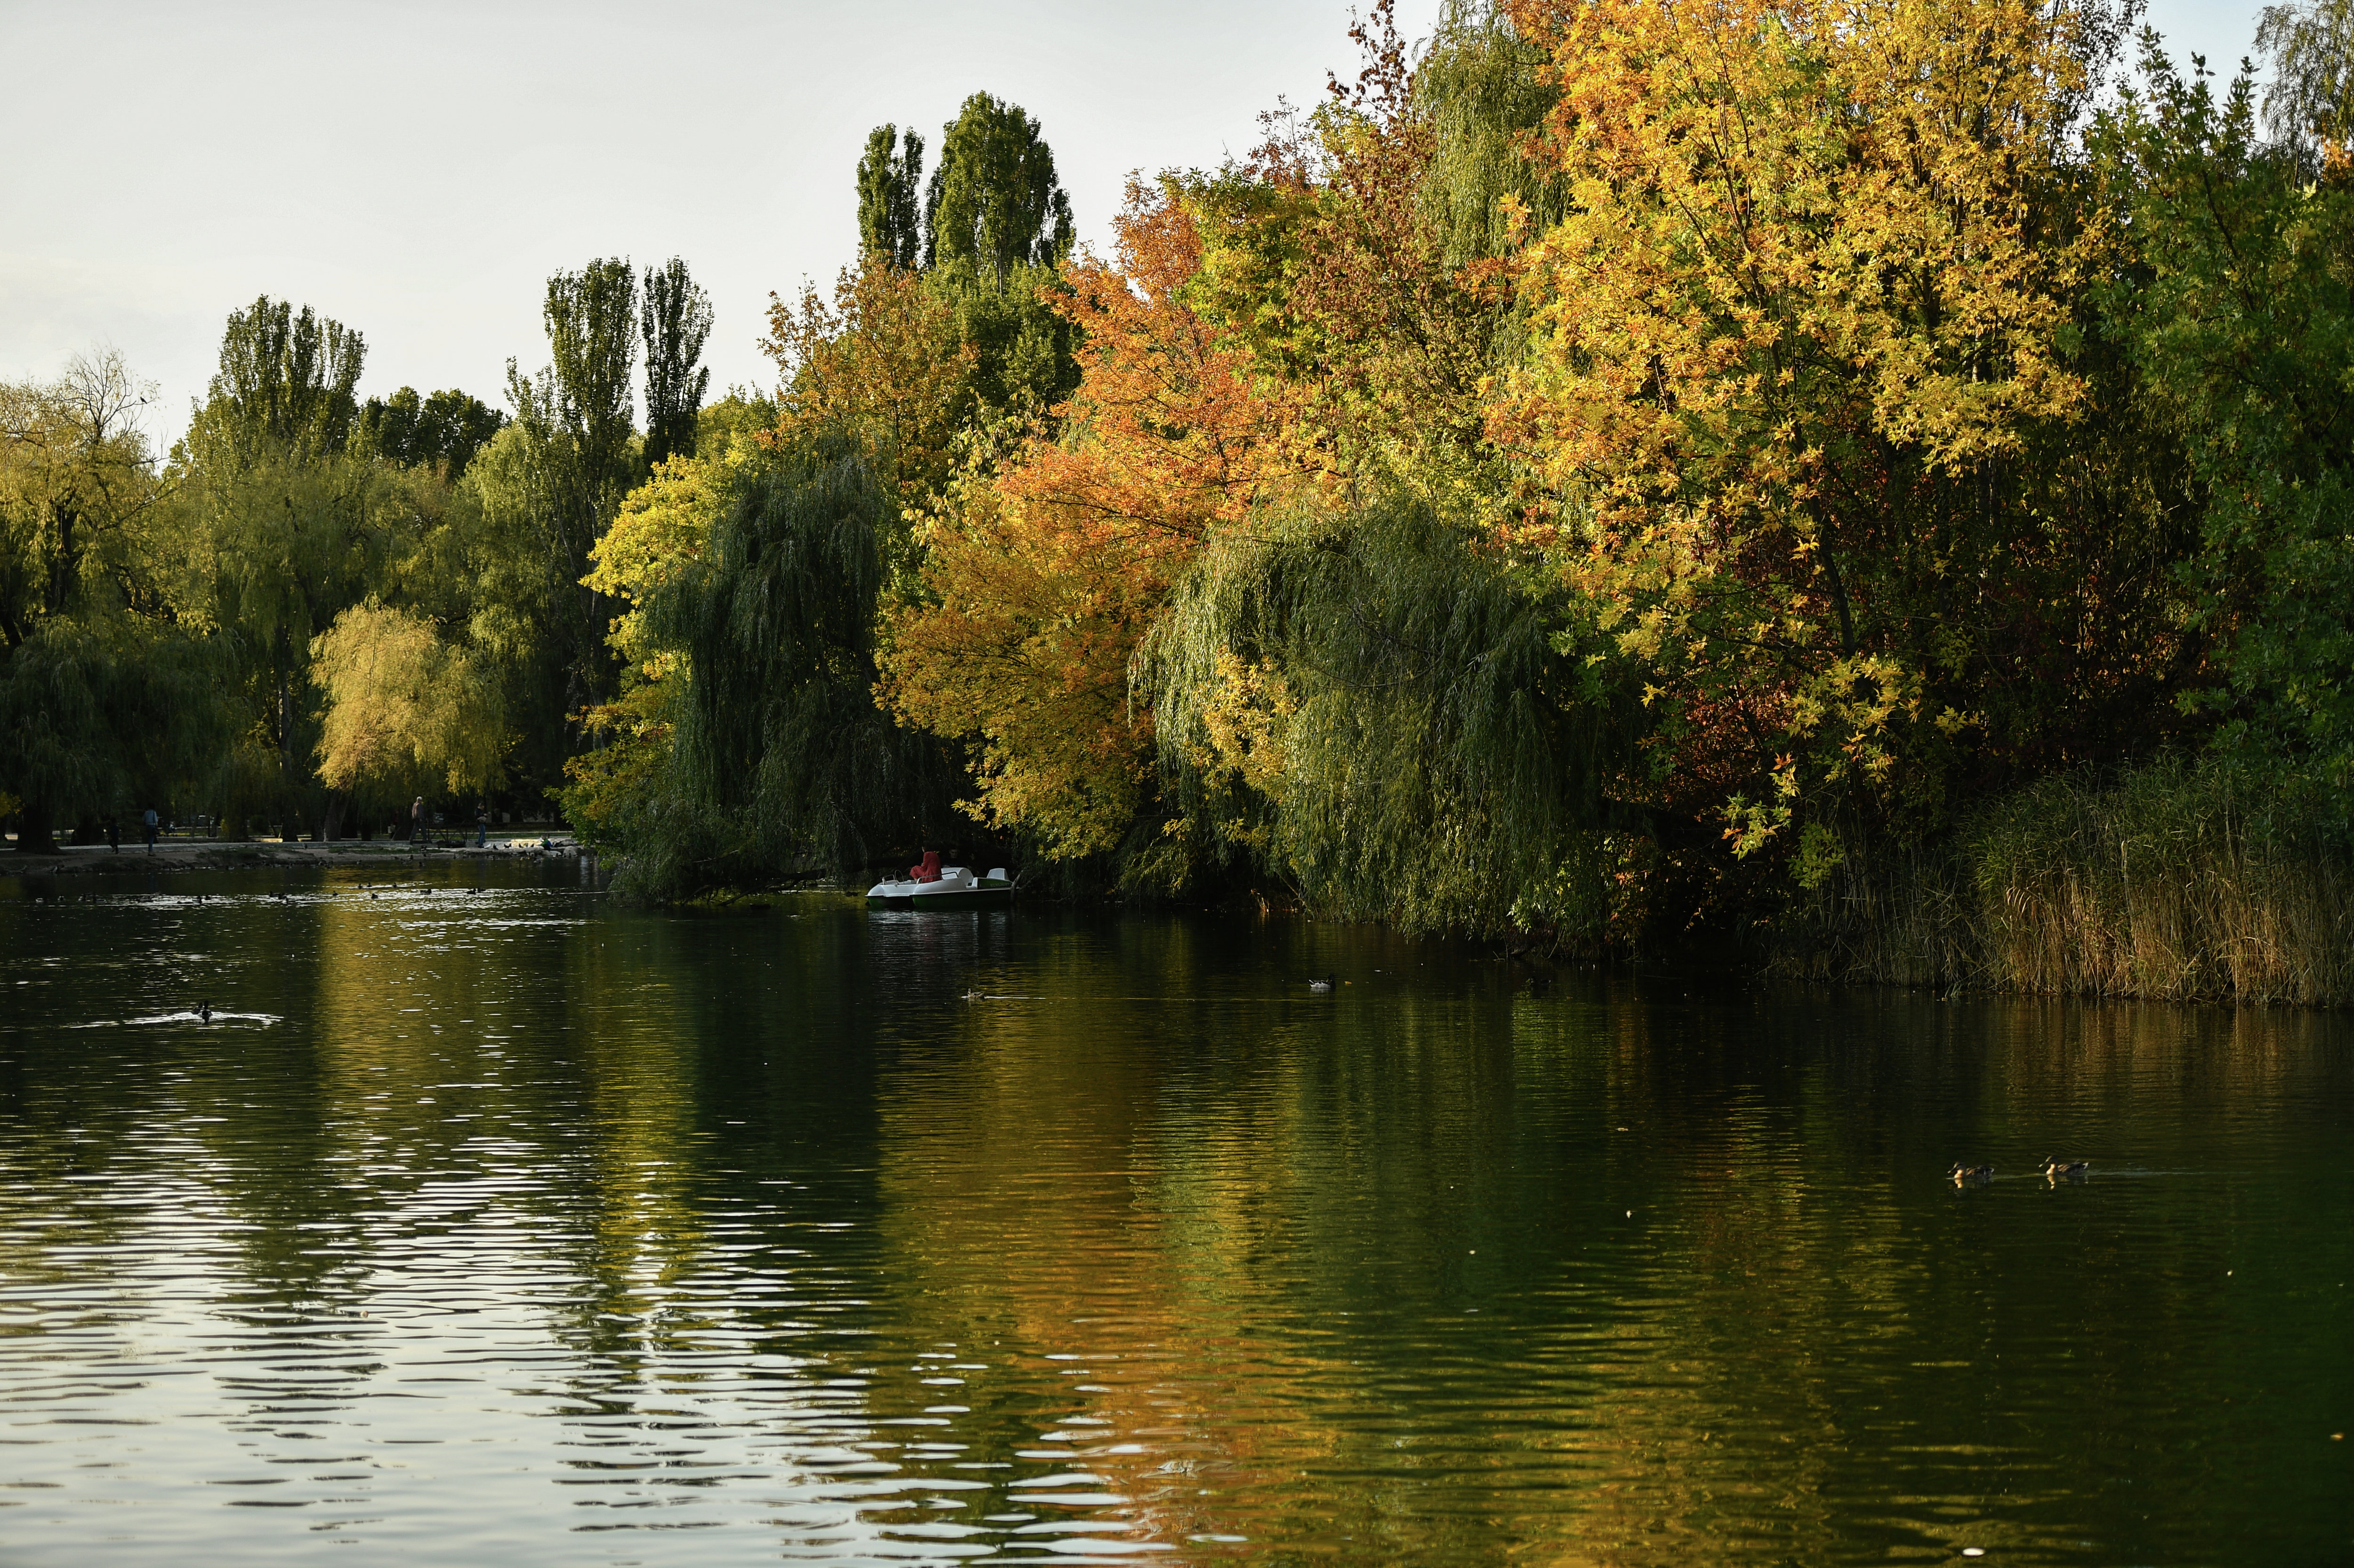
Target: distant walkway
{"x": 228, "y": 854}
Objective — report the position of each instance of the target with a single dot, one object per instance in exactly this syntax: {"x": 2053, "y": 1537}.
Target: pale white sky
{"x": 416, "y": 168}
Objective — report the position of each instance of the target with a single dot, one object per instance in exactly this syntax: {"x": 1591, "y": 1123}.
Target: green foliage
{"x": 303, "y": 505}
{"x": 105, "y": 714}
{"x": 285, "y": 386}
{"x": 676, "y": 324}
{"x": 2311, "y": 48}
{"x": 1480, "y": 87}
{"x": 740, "y": 418}
{"x": 1446, "y": 745}
{"x": 1024, "y": 354}
{"x": 993, "y": 205}
{"x": 403, "y": 708}
{"x": 572, "y": 460}
{"x": 592, "y": 317}
{"x": 780, "y": 757}
{"x": 890, "y": 176}
{"x": 82, "y": 521}
{"x": 995, "y": 229}
{"x": 442, "y": 432}
{"x": 2238, "y": 315}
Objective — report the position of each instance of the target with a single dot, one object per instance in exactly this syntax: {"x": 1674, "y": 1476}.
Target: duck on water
{"x": 2049, "y": 1166}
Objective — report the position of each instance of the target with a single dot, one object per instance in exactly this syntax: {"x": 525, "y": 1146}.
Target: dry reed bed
{"x": 2209, "y": 883}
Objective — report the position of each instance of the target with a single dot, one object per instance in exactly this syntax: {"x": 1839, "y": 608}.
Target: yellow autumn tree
{"x": 881, "y": 365}
{"x": 1810, "y": 296}
{"x": 404, "y": 708}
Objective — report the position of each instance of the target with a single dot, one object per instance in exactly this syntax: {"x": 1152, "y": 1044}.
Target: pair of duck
{"x": 2049, "y": 1165}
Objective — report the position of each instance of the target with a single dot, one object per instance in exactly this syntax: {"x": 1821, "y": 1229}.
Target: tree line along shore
{"x": 1850, "y": 492}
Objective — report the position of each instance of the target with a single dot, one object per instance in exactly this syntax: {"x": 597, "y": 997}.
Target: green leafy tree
{"x": 442, "y": 432}
{"x": 989, "y": 238}
{"x": 405, "y": 707}
{"x": 780, "y": 756}
{"x": 272, "y": 485}
{"x": 106, "y": 675}
{"x": 77, "y": 493}
{"x": 2239, "y": 315}
{"x": 575, "y": 457}
{"x": 104, "y": 714}
{"x": 994, "y": 204}
{"x": 2311, "y": 49}
{"x": 285, "y": 384}
{"x": 890, "y": 178}
{"x": 676, "y": 324}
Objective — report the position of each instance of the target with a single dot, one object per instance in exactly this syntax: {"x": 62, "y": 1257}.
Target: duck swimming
{"x": 1961, "y": 1172}
{"x": 1324, "y": 984}
{"x": 2056, "y": 1168}
{"x": 204, "y": 1012}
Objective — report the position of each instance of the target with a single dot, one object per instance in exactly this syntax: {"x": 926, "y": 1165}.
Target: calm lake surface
{"x": 489, "y": 1223}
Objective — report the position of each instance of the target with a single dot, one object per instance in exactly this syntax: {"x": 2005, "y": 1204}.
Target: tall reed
{"x": 2213, "y": 881}
{"x": 2218, "y": 880}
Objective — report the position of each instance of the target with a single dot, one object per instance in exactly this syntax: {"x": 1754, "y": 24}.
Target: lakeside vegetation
{"x": 1857, "y": 490}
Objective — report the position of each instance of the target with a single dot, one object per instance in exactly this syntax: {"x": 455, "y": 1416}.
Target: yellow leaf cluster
{"x": 403, "y": 706}
{"x": 1808, "y": 253}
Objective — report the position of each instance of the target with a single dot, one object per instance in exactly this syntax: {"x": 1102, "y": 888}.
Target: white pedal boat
{"x": 952, "y": 887}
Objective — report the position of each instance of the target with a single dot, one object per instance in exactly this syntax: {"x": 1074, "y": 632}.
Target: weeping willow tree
{"x": 1387, "y": 716}
{"x": 405, "y": 709}
{"x": 109, "y": 714}
{"x": 1363, "y": 698}
{"x": 1481, "y": 89}
{"x": 780, "y": 759}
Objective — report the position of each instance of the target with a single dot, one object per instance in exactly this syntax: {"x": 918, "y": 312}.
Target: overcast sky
{"x": 416, "y": 169}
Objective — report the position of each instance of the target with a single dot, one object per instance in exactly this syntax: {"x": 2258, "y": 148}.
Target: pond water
{"x": 488, "y": 1222}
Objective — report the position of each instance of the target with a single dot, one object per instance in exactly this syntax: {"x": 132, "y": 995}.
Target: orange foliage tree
{"x": 1043, "y": 579}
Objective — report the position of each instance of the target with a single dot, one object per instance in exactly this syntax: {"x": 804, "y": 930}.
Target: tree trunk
{"x": 331, "y": 826}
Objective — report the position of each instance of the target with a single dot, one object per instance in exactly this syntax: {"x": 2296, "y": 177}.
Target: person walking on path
{"x": 482, "y": 824}
{"x": 151, "y": 830}
{"x": 114, "y": 831}
{"x": 416, "y": 819}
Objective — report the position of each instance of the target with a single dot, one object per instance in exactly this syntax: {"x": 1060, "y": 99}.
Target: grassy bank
{"x": 2212, "y": 881}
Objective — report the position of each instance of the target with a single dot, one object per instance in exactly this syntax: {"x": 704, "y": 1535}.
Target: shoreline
{"x": 214, "y": 854}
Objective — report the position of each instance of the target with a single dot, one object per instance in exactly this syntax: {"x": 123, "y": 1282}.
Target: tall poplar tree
{"x": 286, "y": 381}
{"x": 286, "y": 509}
{"x": 675, "y": 323}
{"x": 574, "y": 458}
{"x": 889, "y": 209}
{"x": 994, "y": 204}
